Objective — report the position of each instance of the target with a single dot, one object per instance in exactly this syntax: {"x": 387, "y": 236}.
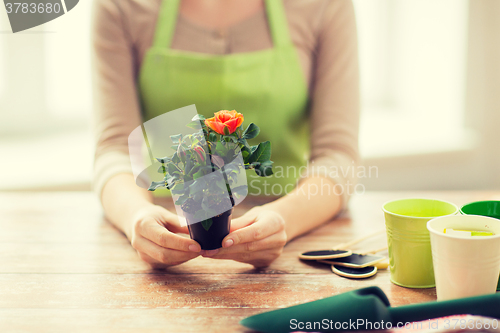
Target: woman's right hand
{"x": 153, "y": 234}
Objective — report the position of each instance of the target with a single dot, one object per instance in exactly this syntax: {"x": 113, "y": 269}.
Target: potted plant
{"x": 206, "y": 173}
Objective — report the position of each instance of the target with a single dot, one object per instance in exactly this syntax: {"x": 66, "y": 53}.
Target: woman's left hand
{"x": 256, "y": 238}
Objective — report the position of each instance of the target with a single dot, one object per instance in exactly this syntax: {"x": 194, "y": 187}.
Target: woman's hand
{"x": 256, "y": 238}
{"x": 153, "y": 235}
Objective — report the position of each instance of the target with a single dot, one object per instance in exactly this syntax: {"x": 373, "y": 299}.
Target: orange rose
{"x": 224, "y": 118}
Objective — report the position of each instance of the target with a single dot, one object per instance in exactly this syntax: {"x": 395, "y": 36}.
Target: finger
{"x": 276, "y": 240}
{"x": 155, "y": 264}
{"x": 209, "y": 253}
{"x": 163, "y": 237}
{"x": 162, "y": 255}
{"x": 176, "y": 229}
{"x": 257, "y": 259}
{"x": 171, "y": 221}
{"x": 146, "y": 258}
{"x": 243, "y": 221}
{"x": 262, "y": 228}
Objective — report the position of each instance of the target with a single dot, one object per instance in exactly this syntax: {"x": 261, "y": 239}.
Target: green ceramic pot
{"x": 488, "y": 208}
{"x": 408, "y": 239}
{"x": 484, "y": 208}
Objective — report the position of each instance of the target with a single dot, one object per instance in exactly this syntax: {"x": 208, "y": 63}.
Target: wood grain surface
{"x": 64, "y": 268}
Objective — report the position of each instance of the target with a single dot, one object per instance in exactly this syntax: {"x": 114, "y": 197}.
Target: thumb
{"x": 171, "y": 221}
{"x": 243, "y": 221}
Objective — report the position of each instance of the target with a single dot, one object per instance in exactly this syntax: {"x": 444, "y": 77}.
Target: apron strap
{"x": 277, "y": 22}
{"x": 167, "y": 20}
{"x": 165, "y": 27}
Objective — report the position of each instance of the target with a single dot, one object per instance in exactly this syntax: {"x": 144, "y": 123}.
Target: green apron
{"x": 267, "y": 87}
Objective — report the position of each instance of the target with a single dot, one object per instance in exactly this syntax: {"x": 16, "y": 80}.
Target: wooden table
{"x": 63, "y": 268}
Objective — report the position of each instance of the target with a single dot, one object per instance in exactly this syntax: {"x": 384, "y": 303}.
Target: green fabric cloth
{"x": 366, "y": 305}
{"x": 267, "y": 87}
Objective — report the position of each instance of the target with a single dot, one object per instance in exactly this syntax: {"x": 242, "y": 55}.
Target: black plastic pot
{"x": 210, "y": 239}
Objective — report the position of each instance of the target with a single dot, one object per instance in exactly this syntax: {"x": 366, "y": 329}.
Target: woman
{"x": 286, "y": 65}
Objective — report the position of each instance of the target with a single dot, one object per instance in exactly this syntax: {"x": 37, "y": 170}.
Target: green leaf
{"x": 194, "y": 169}
{"x": 162, "y": 169}
{"x": 164, "y": 159}
{"x": 175, "y": 158}
{"x": 197, "y": 186}
{"x": 228, "y": 138}
{"x": 205, "y": 203}
{"x": 204, "y": 214}
{"x": 207, "y": 224}
{"x": 220, "y": 149}
{"x": 176, "y": 138}
{"x": 157, "y": 185}
{"x": 255, "y": 164}
{"x": 265, "y": 169}
{"x": 179, "y": 189}
{"x": 195, "y": 125}
{"x": 241, "y": 190}
{"x": 182, "y": 199}
{"x": 172, "y": 169}
{"x": 245, "y": 152}
{"x": 221, "y": 184}
{"x": 251, "y": 132}
{"x": 199, "y": 173}
{"x": 198, "y": 117}
{"x": 189, "y": 164}
{"x": 171, "y": 180}
{"x": 262, "y": 153}
{"x": 226, "y": 130}
{"x": 232, "y": 168}
{"x": 194, "y": 142}
{"x": 202, "y": 171}
{"x": 197, "y": 197}
{"x": 212, "y": 137}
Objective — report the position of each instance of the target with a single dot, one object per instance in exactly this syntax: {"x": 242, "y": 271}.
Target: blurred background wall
{"x": 430, "y": 73}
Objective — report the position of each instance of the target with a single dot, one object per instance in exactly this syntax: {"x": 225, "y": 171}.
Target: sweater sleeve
{"x": 116, "y": 106}
{"x": 335, "y": 103}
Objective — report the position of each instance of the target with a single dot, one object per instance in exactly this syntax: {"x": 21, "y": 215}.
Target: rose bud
{"x": 200, "y": 154}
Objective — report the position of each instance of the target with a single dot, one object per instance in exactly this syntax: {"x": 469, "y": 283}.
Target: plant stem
{"x": 228, "y": 187}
